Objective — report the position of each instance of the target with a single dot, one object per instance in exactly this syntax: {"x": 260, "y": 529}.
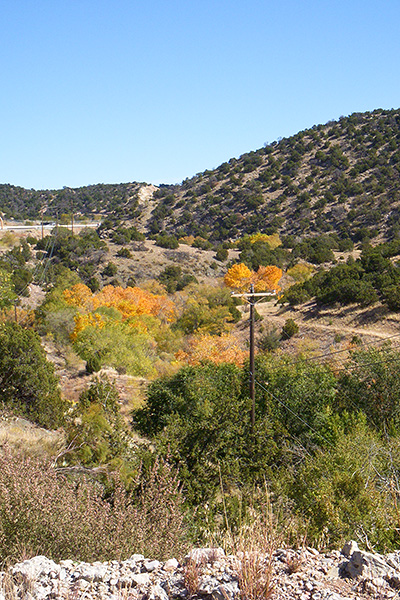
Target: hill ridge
{"x": 341, "y": 177}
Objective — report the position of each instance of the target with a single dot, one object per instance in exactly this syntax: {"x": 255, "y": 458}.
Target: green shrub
{"x": 199, "y": 416}
{"x": 344, "y": 491}
{"x": 27, "y": 380}
{"x": 174, "y": 280}
{"x": 289, "y": 329}
{"x": 96, "y": 429}
{"x": 110, "y": 270}
{"x": 167, "y": 241}
{"x": 269, "y": 340}
{"x": 372, "y": 384}
{"x": 124, "y": 253}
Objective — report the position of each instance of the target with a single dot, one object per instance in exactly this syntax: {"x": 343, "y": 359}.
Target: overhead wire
{"x": 36, "y": 270}
{"x": 319, "y": 357}
{"x": 293, "y": 412}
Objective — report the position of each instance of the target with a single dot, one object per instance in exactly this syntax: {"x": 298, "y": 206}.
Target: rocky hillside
{"x": 119, "y": 199}
{"x": 341, "y": 177}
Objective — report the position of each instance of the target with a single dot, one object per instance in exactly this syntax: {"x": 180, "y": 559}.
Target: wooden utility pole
{"x": 252, "y": 298}
{"x": 41, "y": 219}
{"x": 251, "y": 301}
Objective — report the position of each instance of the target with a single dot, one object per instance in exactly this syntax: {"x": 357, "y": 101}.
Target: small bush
{"x": 289, "y": 329}
{"x": 269, "y": 340}
{"x": 221, "y": 254}
{"x": 124, "y": 253}
{"x": 110, "y": 270}
{"x": 167, "y": 241}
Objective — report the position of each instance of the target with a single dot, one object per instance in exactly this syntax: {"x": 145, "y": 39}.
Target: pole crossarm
{"x": 250, "y": 298}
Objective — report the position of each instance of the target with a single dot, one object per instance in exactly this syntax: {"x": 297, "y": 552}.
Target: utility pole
{"x": 42, "y": 210}
{"x": 252, "y": 298}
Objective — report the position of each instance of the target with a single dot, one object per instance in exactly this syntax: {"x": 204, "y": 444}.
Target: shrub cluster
{"x": 370, "y": 278}
{"x": 326, "y": 441}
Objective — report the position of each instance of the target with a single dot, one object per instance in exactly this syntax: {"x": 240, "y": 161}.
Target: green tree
{"x": 371, "y": 383}
{"x": 199, "y": 416}
{"x": 27, "y": 380}
{"x": 7, "y": 293}
{"x": 98, "y": 432}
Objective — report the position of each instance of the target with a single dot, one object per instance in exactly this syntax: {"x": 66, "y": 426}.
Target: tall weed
{"x": 45, "y": 512}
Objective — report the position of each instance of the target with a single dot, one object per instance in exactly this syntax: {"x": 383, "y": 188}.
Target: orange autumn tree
{"x": 129, "y": 302}
{"x": 79, "y": 295}
{"x": 118, "y": 327}
{"x": 240, "y": 277}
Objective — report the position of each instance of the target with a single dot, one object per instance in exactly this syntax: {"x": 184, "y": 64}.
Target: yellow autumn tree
{"x": 266, "y": 278}
{"x": 79, "y": 295}
{"x": 82, "y": 322}
{"x": 217, "y": 349}
{"x": 240, "y": 277}
{"x": 130, "y": 301}
{"x": 273, "y": 240}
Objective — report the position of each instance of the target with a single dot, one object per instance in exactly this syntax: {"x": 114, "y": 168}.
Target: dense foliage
{"x": 326, "y": 440}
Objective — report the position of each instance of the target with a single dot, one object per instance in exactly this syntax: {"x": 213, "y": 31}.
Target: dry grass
{"x": 255, "y": 551}
{"x": 294, "y": 562}
{"x": 255, "y": 575}
{"x": 191, "y": 575}
{"x": 8, "y": 588}
{"x": 59, "y": 517}
{"x": 254, "y": 546}
{"x": 23, "y": 436}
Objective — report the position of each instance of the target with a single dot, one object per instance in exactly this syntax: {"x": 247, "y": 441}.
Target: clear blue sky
{"x": 110, "y": 91}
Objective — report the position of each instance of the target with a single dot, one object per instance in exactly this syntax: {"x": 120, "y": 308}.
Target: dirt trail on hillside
{"x": 324, "y": 325}
{"x": 146, "y": 205}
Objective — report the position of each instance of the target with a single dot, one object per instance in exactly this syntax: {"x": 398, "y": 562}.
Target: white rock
{"x": 157, "y": 593}
{"x": 141, "y": 578}
{"x": 35, "y": 567}
{"x": 151, "y": 565}
{"x": 171, "y": 564}
{"x": 368, "y": 565}
{"x": 349, "y": 548}
{"x": 136, "y": 557}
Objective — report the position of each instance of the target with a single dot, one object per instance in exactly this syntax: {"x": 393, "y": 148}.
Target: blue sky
{"x": 110, "y": 91}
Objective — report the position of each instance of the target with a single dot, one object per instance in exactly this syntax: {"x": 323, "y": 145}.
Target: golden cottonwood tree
{"x": 118, "y": 327}
{"x": 217, "y": 349}
{"x": 240, "y": 277}
{"x": 130, "y": 302}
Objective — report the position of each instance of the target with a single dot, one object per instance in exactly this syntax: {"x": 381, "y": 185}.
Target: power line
{"x": 293, "y": 413}
{"x": 329, "y": 354}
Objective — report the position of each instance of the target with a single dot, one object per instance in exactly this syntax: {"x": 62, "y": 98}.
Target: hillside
{"x": 341, "y": 177}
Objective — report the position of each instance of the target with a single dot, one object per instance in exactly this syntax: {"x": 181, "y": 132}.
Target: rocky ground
{"x": 209, "y": 574}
